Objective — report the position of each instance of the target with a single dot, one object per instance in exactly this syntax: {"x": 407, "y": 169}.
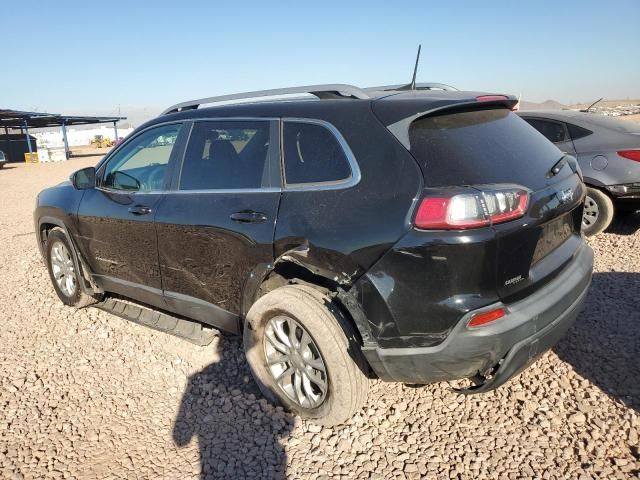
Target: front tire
{"x": 598, "y": 212}
{"x": 298, "y": 346}
{"x": 63, "y": 270}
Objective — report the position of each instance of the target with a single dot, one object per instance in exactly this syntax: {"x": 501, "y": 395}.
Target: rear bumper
{"x": 505, "y": 347}
{"x": 630, "y": 191}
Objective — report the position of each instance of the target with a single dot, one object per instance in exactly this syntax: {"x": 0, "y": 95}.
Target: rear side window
{"x": 554, "y": 131}
{"x": 480, "y": 146}
{"x": 225, "y": 155}
{"x": 577, "y": 132}
{"x": 312, "y": 154}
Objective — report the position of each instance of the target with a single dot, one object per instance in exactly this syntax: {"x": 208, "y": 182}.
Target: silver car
{"x": 608, "y": 151}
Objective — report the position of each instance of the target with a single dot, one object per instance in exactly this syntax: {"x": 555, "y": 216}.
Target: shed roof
{"x": 20, "y": 119}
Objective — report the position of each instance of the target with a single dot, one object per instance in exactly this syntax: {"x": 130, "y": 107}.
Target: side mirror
{"x": 84, "y": 179}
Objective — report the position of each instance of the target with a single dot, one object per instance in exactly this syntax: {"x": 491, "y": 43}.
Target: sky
{"x": 83, "y": 57}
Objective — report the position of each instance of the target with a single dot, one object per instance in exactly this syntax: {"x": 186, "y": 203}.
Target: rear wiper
{"x": 557, "y": 166}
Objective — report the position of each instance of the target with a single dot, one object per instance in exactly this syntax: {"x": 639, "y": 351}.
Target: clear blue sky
{"x": 88, "y": 57}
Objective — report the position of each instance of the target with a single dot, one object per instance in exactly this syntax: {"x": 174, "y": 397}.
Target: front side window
{"x": 232, "y": 154}
{"x": 554, "y": 131}
{"x": 141, "y": 164}
{"x": 312, "y": 154}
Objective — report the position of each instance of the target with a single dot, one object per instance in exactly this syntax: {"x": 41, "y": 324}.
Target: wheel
{"x": 301, "y": 353}
{"x": 63, "y": 271}
{"x": 598, "y": 212}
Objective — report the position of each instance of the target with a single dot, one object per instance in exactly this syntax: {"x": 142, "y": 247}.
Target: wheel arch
{"x": 45, "y": 225}
{"x": 286, "y": 272}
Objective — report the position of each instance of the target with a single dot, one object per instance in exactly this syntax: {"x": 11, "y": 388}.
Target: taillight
{"x": 480, "y": 319}
{"x": 471, "y": 210}
{"x": 630, "y": 154}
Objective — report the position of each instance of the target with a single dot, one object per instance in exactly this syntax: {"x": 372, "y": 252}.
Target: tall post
{"x": 115, "y": 132}
{"x": 64, "y": 139}
{"x": 8, "y": 140}
{"x": 26, "y": 130}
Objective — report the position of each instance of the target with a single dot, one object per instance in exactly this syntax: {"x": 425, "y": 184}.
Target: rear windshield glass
{"x": 481, "y": 146}
{"x": 611, "y": 123}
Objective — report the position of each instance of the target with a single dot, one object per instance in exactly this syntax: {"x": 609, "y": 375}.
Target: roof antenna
{"x": 415, "y": 70}
{"x": 412, "y": 85}
{"x": 586, "y": 110}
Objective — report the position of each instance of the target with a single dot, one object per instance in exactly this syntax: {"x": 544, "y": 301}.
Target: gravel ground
{"x": 84, "y": 394}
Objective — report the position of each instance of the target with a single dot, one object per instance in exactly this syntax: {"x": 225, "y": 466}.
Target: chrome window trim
{"x": 347, "y": 182}
{"x": 182, "y": 192}
{"x": 227, "y": 190}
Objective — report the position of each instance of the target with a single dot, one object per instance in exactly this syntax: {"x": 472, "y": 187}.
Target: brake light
{"x": 471, "y": 210}
{"x": 481, "y": 319}
{"x": 630, "y": 155}
{"x": 491, "y": 98}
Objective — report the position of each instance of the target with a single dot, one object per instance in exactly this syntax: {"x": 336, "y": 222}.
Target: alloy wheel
{"x": 63, "y": 269}
{"x": 295, "y": 363}
{"x": 590, "y": 212}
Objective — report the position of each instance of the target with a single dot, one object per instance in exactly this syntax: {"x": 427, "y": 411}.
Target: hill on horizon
{"x": 546, "y": 105}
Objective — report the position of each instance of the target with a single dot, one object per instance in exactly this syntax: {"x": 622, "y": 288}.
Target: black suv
{"x": 408, "y": 235}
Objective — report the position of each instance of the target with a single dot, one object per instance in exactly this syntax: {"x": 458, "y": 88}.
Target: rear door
{"x": 487, "y": 147}
{"x": 216, "y": 225}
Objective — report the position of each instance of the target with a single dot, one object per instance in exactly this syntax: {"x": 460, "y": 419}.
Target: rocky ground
{"x": 84, "y": 394}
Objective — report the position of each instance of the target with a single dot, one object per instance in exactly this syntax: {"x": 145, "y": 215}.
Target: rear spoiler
{"x": 400, "y": 128}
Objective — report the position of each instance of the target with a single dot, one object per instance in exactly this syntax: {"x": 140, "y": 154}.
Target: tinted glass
{"x": 481, "y": 146}
{"x": 577, "y": 132}
{"x": 227, "y": 155}
{"x": 141, "y": 164}
{"x": 312, "y": 154}
{"x": 554, "y": 131}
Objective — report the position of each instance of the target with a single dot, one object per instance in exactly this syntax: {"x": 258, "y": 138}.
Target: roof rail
{"x": 419, "y": 86}
{"x": 334, "y": 90}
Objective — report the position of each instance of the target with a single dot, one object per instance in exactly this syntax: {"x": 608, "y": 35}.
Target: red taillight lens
{"x": 630, "y": 154}
{"x": 471, "y": 210}
{"x": 491, "y": 98}
{"x": 481, "y": 319}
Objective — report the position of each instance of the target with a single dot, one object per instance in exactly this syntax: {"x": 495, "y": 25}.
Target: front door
{"x": 116, "y": 219}
{"x": 217, "y": 223}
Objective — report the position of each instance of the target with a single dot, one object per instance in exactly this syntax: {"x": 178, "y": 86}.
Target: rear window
{"x": 481, "y": 146}
{"x": 611, "y": 123}
{"x": 312, "y": 154}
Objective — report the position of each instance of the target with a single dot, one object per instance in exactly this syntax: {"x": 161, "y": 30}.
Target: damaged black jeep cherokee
{"x": 415, "y": 236}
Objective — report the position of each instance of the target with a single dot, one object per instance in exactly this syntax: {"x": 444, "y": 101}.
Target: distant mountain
{"x": 546, "y": 105}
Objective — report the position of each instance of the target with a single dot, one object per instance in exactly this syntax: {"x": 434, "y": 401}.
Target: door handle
{"x": 140, "y": 210}
{"x": 248, "y": 216}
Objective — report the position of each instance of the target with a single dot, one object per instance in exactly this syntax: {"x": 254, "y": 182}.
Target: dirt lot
{"x": 84, "y": 394}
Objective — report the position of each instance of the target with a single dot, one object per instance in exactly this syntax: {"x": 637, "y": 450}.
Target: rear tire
{"x": 63, "y": 271}
{"x": 304, "y": 310}
{"x": 598, "y": 212}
